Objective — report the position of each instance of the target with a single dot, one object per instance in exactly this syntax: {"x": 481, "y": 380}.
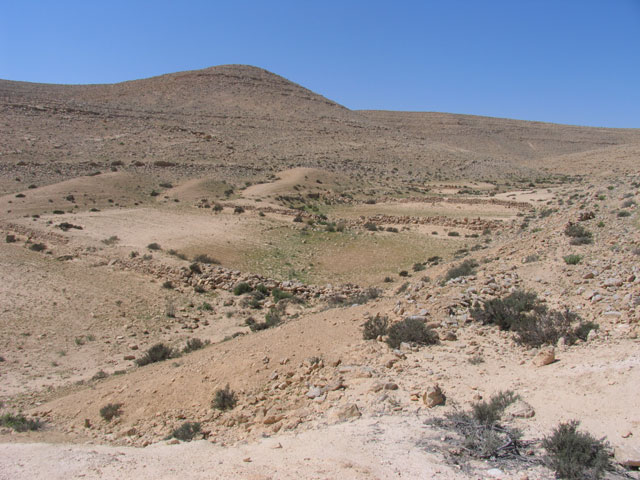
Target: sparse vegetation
{"x": 154, "y": 246}
{"x": 242, "y": 288}
{"x": 10, "y": 238}
{"x": 110, "y": 411}
{"x": 224, "y": 399}
{"x": 466, "y": 268}
{"x": 479, "y": 433}
{"x": 579, "y": 235}
{"x": 413, "y": 331}
{"x": 534, "y": 325}
{"x": 38, "y": 247}
{"x": 206, "y": 259}
{"x": 572, "y": 259}
{"x": 186, "y": 432}
{"x": 575, "y": 455}
{"x": 19, "y": 423}
{"x": 194, "y": 344}
{"x": 375, "y": 327}
{"x": 157, "y": 353}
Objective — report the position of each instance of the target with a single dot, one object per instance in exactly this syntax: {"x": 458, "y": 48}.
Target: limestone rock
{"x": 544, "y": 357}
{"x": 434, "y": 396}
{"x": 520, "y": 409}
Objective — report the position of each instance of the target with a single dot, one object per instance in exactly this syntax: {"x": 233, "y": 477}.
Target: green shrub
{"x": 624, "y": 213}
{"x": 466, "y": 268}
{"x": 242, "y": 288}
{"x": 19, "y": 423}
{"x": 206, "y": 307}
{"x": 375, "y": 327}
{"x": 194, "y": 344}
{"x": 271, "y": 319}
{"x": 572, "y": 259}
{"x": 278, "y": 295}
{"x": 479, "y": 431}
{"x": 206, "y": 259}
{"x": 579, "y": 235}
{"x": 411, "y": 330}
{"x": 490, "y": 413}
{"x": 154, "y": 246}
{"x": 264, "y": 291}
{"x": 453, "y": 234}
{"x": 110, "y": 411}
{"x": 508, "y": 311}
{"x": 576, "y": 455}
{"x": 158, "y": 353}
{"x": 186, "y": 432}
{"x": 224, "y": 399}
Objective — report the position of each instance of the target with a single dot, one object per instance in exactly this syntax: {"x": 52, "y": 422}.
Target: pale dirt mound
{"x": 198, "y": 189}
{"x": 305, "y": 180}
{"x": 105, "y": 190}
{"x": 379, "y": 448}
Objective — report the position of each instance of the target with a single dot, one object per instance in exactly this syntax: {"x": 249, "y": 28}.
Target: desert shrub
{"x": 453, "y": 234}
{"x": 264, "y": 291}
{"x": 242, "y": 288}
{"x": 10, "y": 238}
{"x": 217, "y": 208}
{"x": 546, "y": 328}
{"x": 271, "y": 319}
{"x": 166, "y": 185}
{"x": 375, "y": 327}
{"x": 38, "y": 247}
{"x": 545, "y": 212}
{"x": 238, "y": 209}
{"x": 434, "y": 260}
{"x": 19, "y": 423}
{"x": 177, "y": 254}
{"x": 66, "y": 226}
{"x": 575, "y": 455}
{"x": 387, "y": 280}
{"x": 154, "y": 246}
{"x": 628, "y": 203}
{"x": 224, "y": 399}
{"x": 624, "y": 213}
{"x": 186, "y": 432}
{"x": 206, "y": 307}
{"x": 158, "y": 353}
{"x": 99, "y": 375}
{"x": 110, "y": 411}
{"x": 167, "y": 284}
{"x": 194, "y": 344}
{"x": 579, "y": 235}
{"x": 195, "y": 268}
{"x": 508, "y": 311}
{"x": 479, "y": 431}
{"x": 112, "y": 240}
{"x": 531, "y": 258}
{"x": 372, "y": 227}
{"x": 392, "y": 229}
{"x": 411, "y": 330}
{"x": 403, "y": 273}
{"x": 572, "y": 259}
{"x": 583, "y": 329}
{"x": 206, "y": 259}
{"x": 418, "y": 267}
{"x": 278, "y": 295}
{"x": 466, "y": 268}
{"x": 489, "y": 413}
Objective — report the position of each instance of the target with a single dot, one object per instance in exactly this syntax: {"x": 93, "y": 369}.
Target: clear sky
{"x": 565, "y": 61}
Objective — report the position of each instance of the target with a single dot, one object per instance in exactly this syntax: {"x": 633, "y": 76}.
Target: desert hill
{"x": 219, "y": 273}
{"x": 238, "y": 121}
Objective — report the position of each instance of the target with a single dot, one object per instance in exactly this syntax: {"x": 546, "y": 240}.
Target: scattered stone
{"x": 544, "y": 357}
{"x": 348, "y": 412}
{"x": 433, "y": 396}
{"x": 520, "y": 409}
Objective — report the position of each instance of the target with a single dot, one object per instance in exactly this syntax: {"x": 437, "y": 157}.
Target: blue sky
{"x": 565, "y": 61}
